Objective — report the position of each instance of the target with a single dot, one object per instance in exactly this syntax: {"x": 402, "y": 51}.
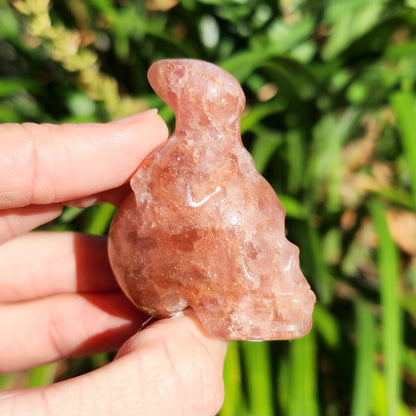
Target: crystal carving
{"x": 202, "y": 229}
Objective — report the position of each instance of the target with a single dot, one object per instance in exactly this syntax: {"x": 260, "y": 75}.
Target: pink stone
{"x": 202, "y": 228}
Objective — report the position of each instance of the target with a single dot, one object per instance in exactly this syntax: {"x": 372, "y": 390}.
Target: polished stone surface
{"x": 202, "y": 228}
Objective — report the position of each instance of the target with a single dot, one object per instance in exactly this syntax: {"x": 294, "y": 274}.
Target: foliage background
{"x": 330, "y": 116}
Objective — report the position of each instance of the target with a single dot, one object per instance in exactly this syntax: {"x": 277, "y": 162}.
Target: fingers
{"x": 172, "y": 367}
{"x": 17, "y": 221}
{"x": 41, "y": 264}
{"x": 44, "y": 164}
{"x": 46, "y": 330}
{"x": 54, "y": 267}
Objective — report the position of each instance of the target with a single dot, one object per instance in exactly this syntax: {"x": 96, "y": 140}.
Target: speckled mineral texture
{"x": 202, "y": 228}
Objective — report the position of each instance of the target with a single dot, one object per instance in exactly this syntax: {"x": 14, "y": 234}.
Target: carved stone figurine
{"x": 202, "y": 228}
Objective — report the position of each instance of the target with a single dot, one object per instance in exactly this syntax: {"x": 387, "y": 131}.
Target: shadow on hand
{"x": 98, "y": 286}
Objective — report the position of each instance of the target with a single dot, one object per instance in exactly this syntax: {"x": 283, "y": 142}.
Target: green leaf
{"x": 259, "y": 112}
{"x": 287, "y": 36}
{"x": 101, "y": 216}
{"x": 364, "y": 364}
{"x": 81, "y": 105}
{"x": 9, "y": 25}
{"x": 296, "y": 157}
{"x": 349, "y": 23}
{"x": 293, "y": 208}
{"x": 42, "y": 375}
{"x": 404, "y": 105}
{"x": 327, "y": 326}
{"x": 241, "y": 65}
{"x": 6, "y": 380}
{"x": 69, "y": 214}
{"x": 324, "y": 172}
{"x": 264, "y": 146}
{"x": 256, "y": 356}
{"x": 11, "y": 86}
{"x": 388, "y": 268}
{"x": 303, "y": 384}
{"x": 234, "y": 400}
{"x": 313, "y": 262}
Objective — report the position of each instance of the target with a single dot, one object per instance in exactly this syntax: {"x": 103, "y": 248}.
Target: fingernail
{"x": 136, "y": 117}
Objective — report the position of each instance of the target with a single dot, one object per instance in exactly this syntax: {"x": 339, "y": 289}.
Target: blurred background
{"x": 330, "y": 122}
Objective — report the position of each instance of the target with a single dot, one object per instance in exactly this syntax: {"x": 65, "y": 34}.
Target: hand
{"x": 58, "y": 296}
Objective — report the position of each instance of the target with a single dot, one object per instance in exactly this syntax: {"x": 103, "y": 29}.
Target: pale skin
{"x": 58, "y": 296}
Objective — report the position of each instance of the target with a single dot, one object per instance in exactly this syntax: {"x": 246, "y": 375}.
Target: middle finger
{"x": 42, "y": 263}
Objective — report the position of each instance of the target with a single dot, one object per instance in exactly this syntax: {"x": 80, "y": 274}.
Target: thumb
{"x": 171, "y": 367}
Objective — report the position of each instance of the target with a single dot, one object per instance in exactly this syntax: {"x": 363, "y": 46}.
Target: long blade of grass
{"x": 323, "y": 173}
{"x": 388, "y": 268}
{"x": 42, "y": 375}
{"x": 404, "y": 105}
{"x": 264, "y": 147}
{"x": 380, "y": 398}
{"x": 257, "y": 360}
{"x": 243, "y": 64}
{"x": 100, "y": 219}
{"x": 364, "y": 364}
{"x": 259, "y": 112}
{"x": 70, "y": 213}
{"x": 6, "y": 380}
{"x": 293, "y": 208}
{"x": 409, "y": 362}
{"x": 283, "y": 387}
{"x": 234, "y": 400}
{"x": 319, "y": 271}
{"x": 296, "y": 155}
{"x": 325, "y": 324}
{"x": 303, "y": 394}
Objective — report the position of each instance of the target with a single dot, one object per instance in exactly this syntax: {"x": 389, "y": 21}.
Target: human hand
{"x": 58, "y": 296}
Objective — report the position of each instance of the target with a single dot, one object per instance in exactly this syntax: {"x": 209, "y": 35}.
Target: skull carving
{"x": 202, "y": 228}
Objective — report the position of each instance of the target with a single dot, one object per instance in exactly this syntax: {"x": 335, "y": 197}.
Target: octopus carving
{"x": 202, "y": 229}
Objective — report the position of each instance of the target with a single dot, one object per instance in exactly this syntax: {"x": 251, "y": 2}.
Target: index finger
{"x": 46, "y": 163}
